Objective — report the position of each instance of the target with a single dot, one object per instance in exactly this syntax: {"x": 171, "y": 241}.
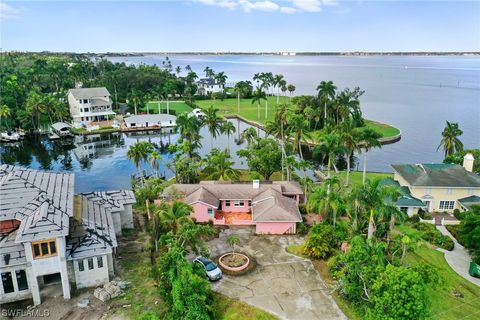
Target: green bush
{"x": 432, "y": 235}
{"x": 413, "y": 219}
{"x": 321, "y": 242}
{"x": 458, "y": 214}
{"x": 302, "y": 228}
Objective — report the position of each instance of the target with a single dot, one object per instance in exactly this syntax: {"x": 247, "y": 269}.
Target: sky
{"x": 239, "y": 26}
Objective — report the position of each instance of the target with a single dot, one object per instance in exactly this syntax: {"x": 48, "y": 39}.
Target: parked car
{"x": 212, "y": 271}
{"x": 197, "y": 113}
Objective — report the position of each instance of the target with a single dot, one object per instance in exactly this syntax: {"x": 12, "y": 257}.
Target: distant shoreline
{"x": 286, "y": 53}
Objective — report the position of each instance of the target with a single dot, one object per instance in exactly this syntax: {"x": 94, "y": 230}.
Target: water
{"x": 100, "y": 161}
{"x": 415, "y": 94}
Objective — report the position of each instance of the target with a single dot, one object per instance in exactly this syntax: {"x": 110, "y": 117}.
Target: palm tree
{"x": 258, "y": 95}
{"x": 178, "y": 70}
{"x": 173, "y": 216}
{"x": 189, "y": 128}
{"x": 327, "y": 199}
{"x": 281, "y": 118}
{"x": 277, "y": 83}
{"x": 4, "y": 112}
{"x": 349, "y": 136}
{"x": 34, "y": 106}
{"x": 368, "y": 140}
{"x": 227, "y": 128}
{"x": 208, "y": 72}
{"x": 135, "y": 98}
{"x": 330, "y": 146}
{"x": 299, "y": 129}
{"x": 138, "y": 152}
{"x": 154, "y": 159}
{"x": 221, "y": 78}
{"x": 326, "y": 92}
{"x": 291, "y": 88}
{"x": 250, "y": 135}
{"x": 304, "y": 165}
{"x": 450, "y": 142}
{"x": 212, "y": 120}
{"x": 169, "y": 87}
{"x": 242, "y": 88}
{"x": 290, "y": 164}
{"x": 218, "y": 166}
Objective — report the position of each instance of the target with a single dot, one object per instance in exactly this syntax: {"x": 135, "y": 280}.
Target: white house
{"x": 206, "y": 86}
{"x": 151, "y": 121}
{"x": 89, "y": 104}
{"x": 47, "y": 233}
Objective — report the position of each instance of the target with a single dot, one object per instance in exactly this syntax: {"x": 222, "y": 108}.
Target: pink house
{"x": 271, "y": 207}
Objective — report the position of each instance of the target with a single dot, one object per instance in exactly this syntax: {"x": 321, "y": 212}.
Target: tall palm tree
{"x": 277, "y": 83}
{"x": 326, "y": 92}
{"x": 327, "y": 199}
{"x": 291, "y": 88}
{"x": 208, "y": 72}
{"x": 283, "y": 88}
{"x": 221, "y": 78}
{"x": 249, "y": 135}
{"x": 218, "y": 166}
{"x": 173, "y": 216}
{"x": 349, "y": 136}
{"x": 450, "y": 142}
{"x": 368, "y": 140}
{"x": 34, "y": 107}
{"x": 189, "y": 128}
{"x": 290, "y": 163}
{"x": 138, "y": 152}
{"x": 169, "y": 88}
{"x": 281, "y": 118}
{"x": 299, "y": 129}
{"x": 212, "y": 120}
{"x": 304, "y": 165}
{"x": 258, "y": 95}
{"x": 4, "y": 112}
{"x": 227, "y": 128}
{"x": 154, "y": 159}
{"x": 330, "y": 145}
{"x": 178, "y": 70}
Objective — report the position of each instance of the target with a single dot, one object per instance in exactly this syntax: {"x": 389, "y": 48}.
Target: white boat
{"x": 9, "y": 136}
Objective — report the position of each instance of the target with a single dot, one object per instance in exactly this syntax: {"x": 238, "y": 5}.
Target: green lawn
{"x": 249, "y": 111}
{"x": 232, "y": 309}
{"x": 179, "y": 107}
{"x": 446, "y": 301}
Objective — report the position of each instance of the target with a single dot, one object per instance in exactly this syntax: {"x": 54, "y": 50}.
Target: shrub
{"x": 302, "y": 208}
{"x": 321, "y": 242}
{"x": 413, "y": 219}
{"x": 302, "y": 228}
{"x": 432, "y": 235}
{"x": 470, "y": 233}
{"x": 458, "y": 214}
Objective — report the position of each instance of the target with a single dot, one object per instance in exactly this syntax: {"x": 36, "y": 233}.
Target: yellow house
{"x": 441, "y": 187}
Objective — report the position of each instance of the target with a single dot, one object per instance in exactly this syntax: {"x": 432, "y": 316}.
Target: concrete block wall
{"x": 91, "y": 277}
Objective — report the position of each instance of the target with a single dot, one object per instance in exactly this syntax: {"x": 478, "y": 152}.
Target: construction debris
{"x": 110, "y": 290}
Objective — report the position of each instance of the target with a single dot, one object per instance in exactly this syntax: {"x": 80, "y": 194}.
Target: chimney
{"x": 468, "y": 162}
{"x": 256, "y": 184}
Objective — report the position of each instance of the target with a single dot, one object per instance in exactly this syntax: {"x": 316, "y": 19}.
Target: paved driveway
{"x": 282, "y": 284}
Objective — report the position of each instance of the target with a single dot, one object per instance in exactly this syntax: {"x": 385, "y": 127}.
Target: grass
{"x": 409, "y": 231}
{"x": 357, "y": 176}
{"x": 249, "y": 111}
{"x": 231, "y": 309}
{"x": 446, "y": 303}
{"x": 179, "y": 107}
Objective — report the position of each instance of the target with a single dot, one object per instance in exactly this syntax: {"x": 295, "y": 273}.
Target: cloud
{"x": 284, "y": 6}
{"x": 8, "y": 12}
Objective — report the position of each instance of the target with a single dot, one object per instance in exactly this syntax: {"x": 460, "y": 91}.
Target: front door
{"x": 428, "y": 205}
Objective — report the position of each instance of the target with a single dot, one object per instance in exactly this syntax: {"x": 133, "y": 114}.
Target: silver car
{"x": 212, "y": 271}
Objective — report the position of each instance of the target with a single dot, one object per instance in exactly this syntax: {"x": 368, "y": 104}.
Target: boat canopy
{"x": 61, "y": 126}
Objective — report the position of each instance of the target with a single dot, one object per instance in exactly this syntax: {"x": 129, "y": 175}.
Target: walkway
{"x": 283, "y": 284}
{"x": 458, "y": 258}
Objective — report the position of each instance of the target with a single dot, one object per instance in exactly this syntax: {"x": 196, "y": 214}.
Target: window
{"x": 81, "y": 267}
{"x": 86, "y": 109}
{"x": 7, "y": 282}
{"x": 85, "y": 100}
{"x": 21, "y": 280}
{"x": 238, "y": 203}
{"x": 90, "y": 263}
{"x": 227, "y": 203}
{"x": 447, "y": 205}
{"x": 249, "y": 203}
{"x": 404, "y": 209}
{"x": 210, "y": 211}
{"x": 44, "y": 248}
{"x": 100, "y": 262}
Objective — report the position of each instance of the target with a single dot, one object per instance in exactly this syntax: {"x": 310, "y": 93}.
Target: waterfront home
{"x": 206, "y": 86}
{"x": 89, "y": 104}
{"x": 272, "y": 208}
{"x": 441, "y": 187}
{"x": 49, "y": 235}
{"x": 151, "y": 121}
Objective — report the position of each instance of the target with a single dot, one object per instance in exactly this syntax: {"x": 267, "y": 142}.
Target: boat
{"x": 61, "y": 129}
{"x": 10, "y": 136}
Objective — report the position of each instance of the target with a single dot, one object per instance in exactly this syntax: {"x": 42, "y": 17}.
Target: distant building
{"x": 441, "y": 187}
{"x": 206, "y": 86}
{"x": 89, "y": 104}
{"x": 48, "y": 234}
{"x": 150, "y": 121}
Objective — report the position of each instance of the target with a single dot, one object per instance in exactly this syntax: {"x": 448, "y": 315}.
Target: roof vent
{"x": 256, "y": 184}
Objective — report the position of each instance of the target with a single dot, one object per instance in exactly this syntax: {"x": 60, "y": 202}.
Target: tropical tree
{"x": 155, "y": 159}
{"x": 326, "y": 92}
{"x": 227, "y": 128}
{"x": 264, "y": 156}
{"x": 173, "y": 216}
{"x": 450, "y": 141}
{"x": 291, "y": 88}
{"x": 212, "y": 120}
{"x": 299, "y": 129}
{"x": 330, "y": 146}
{"x": 327, "y": 200}
{"x": 250, "y": 135}
{"x": 4, "y": 112}
{"x": 232, "y": 242}
{"x": 219, "y": 166}
{"x": 277, "y": 83}
{"x": 242, "y": 88}
{"x": 258, "y": 96}
{"x": 349, "y": 137}
{"x": 169, "y": 88}
{"x": 34, "y": 106}
{"x": 138, "y": 152}
{"x": 221, "y": 79}
{"x": 368, "y": 140}
{"x": 208, "y": 72}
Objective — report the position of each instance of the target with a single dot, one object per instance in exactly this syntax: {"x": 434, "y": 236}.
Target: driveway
{"x": 458, "y": 258}
{"x": 283, "y": 284}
